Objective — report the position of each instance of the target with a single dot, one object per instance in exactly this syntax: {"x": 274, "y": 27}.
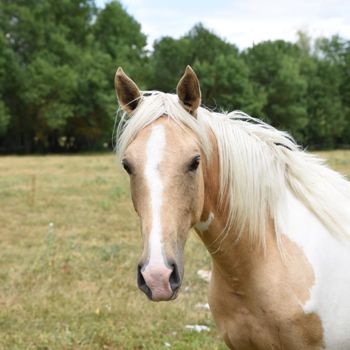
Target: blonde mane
{"x": 258, "y": 164}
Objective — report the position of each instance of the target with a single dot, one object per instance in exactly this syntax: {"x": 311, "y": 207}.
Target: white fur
{"x": 154, "y": 153}
{"x": 330, "y": 261}
{"x": 203, "y": 226}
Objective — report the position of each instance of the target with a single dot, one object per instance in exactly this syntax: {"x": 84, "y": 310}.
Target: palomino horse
{"x": 275, "y": 220}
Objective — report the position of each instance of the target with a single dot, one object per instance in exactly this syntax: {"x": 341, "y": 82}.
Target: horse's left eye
{"x": 194, "y": 163}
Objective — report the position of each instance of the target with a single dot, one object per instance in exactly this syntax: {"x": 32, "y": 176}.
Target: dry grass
{"x": 71, "y": 285}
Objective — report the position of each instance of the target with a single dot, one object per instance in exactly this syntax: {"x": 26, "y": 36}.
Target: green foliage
{"x": 47, "y": 91}
{"x": 225, "y": 84}
{"x": 276, "y": 72}
{"x": 58, "y": 59}
{"x": 224, "y": 76}
{"x": 118, "y": 34}
{"x": 328, "y": 110}
{"x": 57, "y": 92}
{"x": 4, "y": 118}
{"x": 4, "y": 113}
{"x": 167, "y": 63}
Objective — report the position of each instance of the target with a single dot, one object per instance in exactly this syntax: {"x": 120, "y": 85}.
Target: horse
{"x": 274, "y": 218}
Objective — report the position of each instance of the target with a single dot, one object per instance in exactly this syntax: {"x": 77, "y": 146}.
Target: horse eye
{"x": 194, "y": 163}
{"x": 127, "y": 167}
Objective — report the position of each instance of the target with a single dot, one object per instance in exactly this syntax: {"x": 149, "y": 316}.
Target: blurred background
{"x": 287, "y": 63}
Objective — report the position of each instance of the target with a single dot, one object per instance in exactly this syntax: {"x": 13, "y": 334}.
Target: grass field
{"x": 70, "y": 243}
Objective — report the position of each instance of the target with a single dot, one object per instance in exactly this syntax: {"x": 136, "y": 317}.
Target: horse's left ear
{"x": 127, "y": 91}
{"x": 188, "y": 91}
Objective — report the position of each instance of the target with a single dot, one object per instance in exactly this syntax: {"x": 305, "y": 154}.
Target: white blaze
{"x": 154, "y": 154}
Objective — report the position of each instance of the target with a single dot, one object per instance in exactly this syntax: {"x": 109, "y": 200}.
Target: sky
{"x": 242, "y": 22}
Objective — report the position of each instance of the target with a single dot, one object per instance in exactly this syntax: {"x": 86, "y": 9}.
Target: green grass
{"x": 71, "y": 284}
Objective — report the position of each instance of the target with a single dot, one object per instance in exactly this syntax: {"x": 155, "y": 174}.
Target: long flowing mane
{"x": 258, "y": 165}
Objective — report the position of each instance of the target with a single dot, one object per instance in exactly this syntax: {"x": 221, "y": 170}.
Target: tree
{"x": 327, "y": 117}
{"x": 169, "y": 58}
{"x": 276, "y": 71}
{"x": 42, "y": 41}
{"x": 323, "y": 66}
{"x": 119, "y": 35}
{"x": 4, "y": 112}
{"x": 223, "y": 74}
{"x": 57, "y": 83}
{"x": 58, "y": 59}
{"x": 345, "y": 94}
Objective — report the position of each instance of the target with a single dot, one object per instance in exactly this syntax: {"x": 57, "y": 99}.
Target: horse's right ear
{"x": 127, "y": 91}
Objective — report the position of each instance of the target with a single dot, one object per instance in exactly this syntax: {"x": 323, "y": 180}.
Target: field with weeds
{"x": 70, "y": 243}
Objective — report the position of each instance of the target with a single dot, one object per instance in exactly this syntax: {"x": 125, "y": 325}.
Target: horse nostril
{"x": 175, "y": 280}
{"x": 142, "y": 283}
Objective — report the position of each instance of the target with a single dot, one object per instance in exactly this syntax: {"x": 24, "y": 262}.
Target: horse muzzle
{"x": 159, "y": 282}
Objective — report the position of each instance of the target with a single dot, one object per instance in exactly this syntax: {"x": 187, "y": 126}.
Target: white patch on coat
{"x": 203, "y": 226}
{"x": 330, "y": 261}
{"x": 154, "y": 154}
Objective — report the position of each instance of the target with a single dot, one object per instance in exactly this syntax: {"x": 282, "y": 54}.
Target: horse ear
{"x": 188, "y": 91}
{"x": 127, "y": 91}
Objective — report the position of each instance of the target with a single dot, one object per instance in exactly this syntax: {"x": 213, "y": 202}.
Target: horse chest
{"x": 262, "y": 316}
{"x": 243, "y": 329}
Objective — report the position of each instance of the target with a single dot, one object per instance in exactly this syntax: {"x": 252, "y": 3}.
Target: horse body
{"x": 295, "y": 300}
{"x": 256, "y": 298}
{"x": 266, "y": 301}
{"x": 275, "y": 221}
{"x": 329, "y": 259}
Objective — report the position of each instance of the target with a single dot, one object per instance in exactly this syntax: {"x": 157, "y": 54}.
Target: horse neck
{"x": 231, "y": 256}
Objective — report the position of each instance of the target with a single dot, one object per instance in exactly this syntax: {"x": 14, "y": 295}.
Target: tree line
{"x": 58, "y": 59}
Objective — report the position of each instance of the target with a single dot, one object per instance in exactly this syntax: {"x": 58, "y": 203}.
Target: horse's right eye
{"x": 127, "y": 167}
{"x": 194, "y": 163}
